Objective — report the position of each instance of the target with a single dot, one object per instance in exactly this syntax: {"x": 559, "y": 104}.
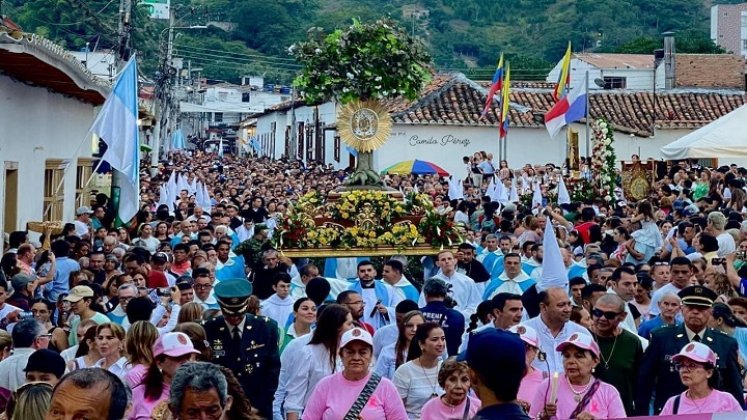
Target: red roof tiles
{"x": 459, "y": 101}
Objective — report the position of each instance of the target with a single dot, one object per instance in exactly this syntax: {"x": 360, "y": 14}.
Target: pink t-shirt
{"x": 529, "y": 385}
{"x": 135, "y": 375}
{"x": 142, "y": 408}
{"x": 605, "y": 403}
{"x": 334, "y": 395}
{"x": 435, "y": 409}
{"x": 716, "y": 402}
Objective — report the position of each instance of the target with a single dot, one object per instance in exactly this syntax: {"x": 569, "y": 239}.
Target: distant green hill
{"x": 463, "y": 35}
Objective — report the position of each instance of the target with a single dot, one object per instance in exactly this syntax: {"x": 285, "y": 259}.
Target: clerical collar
{"x": 372, "y": 285}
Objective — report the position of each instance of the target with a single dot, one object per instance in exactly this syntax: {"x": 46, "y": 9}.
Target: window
{"x": 246, "y": 96}
{"x": 337, "y": 149}
{"x": 744, "y": 45}
{"x": 273, "y": 127}
{"x": 54, "y": 189}
{"x": 744, "y": 19}
{"x": 83, "y": 174}
{"x": 218, "y": 117}
{"x": 300, "y": 134}
{"x": 614, "y": 83}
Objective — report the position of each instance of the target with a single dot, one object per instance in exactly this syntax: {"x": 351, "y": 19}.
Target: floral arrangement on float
{"x": 604, "y": 161}
{"x": 366, "y": 220}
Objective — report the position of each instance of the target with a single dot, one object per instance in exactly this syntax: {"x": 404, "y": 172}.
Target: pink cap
{"x": 697, "y": 352}
{"x": 582, "y": 341}
{"x": 173, "y": 344}
{"x": 527, "y": 334}
{"x": 356, "y": 334}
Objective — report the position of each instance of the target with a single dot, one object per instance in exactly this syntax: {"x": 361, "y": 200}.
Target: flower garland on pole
{"x": 604, "y": 160}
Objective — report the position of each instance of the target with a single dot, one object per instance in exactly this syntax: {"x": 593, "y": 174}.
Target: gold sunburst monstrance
{"x": 364, "y": 125}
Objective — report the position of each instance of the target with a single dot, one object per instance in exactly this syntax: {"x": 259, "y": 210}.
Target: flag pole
{"x": 588, "y": 134}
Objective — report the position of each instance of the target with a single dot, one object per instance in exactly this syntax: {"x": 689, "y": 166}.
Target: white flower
{"x": 607, "y": 198}
{"x": 603, "y": 124}
{"x": 350, "y": 75}
{"x": 605, "y": 131}
{"x": 607, "y": 142}
{"x": 318, "y": 50}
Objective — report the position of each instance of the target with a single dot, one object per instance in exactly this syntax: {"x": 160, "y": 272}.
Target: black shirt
{"x": 508, "y": 411}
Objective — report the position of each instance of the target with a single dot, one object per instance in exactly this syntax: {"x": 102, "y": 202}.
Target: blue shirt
{"x": 61, "y": 282}
{"x": 648, "y": 326}
{"x": 451, "y": 320}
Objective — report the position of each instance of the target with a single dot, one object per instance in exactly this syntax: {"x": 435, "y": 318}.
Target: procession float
{"x": 361, "y": 67}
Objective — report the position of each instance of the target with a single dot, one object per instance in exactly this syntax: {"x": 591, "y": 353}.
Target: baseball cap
{"x": 83, "y": 210}
{"x": 697, "y": 352}
{"x": 173, "y": 344}
{"x": 527, "y": 334}
{"x": 46, "y": 361}
{"x": 356, "y": 334}
{"x": 79, "y": 292}
{"x": 489, "y": 345}
{"x": 582, "y": 341}
{"x": 20, "y": 280}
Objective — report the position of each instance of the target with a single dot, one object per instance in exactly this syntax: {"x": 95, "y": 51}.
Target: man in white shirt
{"x": 681, "y": 269}
{"x": 463, "y": 289}
{"x": 82, "y": 222}
{"x": 553, "y": 326}
{"x": 623, "y": 284}
{"x": 512, "y": 280}
{"x": 28, "y": 336}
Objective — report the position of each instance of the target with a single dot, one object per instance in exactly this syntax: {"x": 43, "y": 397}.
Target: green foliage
{"x": 461, "y": 35}
{"x": 365, "y": 61}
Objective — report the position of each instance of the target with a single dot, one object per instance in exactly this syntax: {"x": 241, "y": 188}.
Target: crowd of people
{"x": 586, "y": 310}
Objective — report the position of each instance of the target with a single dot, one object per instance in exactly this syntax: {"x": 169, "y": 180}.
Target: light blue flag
{"x": 255, "y": 145}
{"x": 116, "y": 125}
{"x": 351, "y": 151}
{"x": 177, "y": 140}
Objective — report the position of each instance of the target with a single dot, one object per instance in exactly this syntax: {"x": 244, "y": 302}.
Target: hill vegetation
{"x": 463, "y": 35}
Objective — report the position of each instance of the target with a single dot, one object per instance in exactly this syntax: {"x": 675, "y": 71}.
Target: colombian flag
{"x": 505, "y": 101}
{"x": 495, "y": 86}
{"x": 564, "y": 81}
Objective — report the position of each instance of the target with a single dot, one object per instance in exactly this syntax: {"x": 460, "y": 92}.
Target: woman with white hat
{"x": 575, "y": 393}
{"x": 696, "y": 364}
{"x": 533, "y": 377}
{"x": 355, "y": 392}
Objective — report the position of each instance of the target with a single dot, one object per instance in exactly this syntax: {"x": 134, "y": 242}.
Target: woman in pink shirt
{"x": 170, "y": 352}
{"x": 696, "y": 363}
{"x": 533, "y": 378}
{"x": 578, "y": 395}
{"x": 455, "y": 403}
{"x": 355, "y": 392}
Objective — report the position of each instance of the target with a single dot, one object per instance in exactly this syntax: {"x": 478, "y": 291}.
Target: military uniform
{"x": 657, "y": 373}
{"x": 254, "y": 356}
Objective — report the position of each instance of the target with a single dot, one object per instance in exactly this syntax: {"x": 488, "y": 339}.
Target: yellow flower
{"x": 372, "y": 234}
{"x": 345, "y": 215}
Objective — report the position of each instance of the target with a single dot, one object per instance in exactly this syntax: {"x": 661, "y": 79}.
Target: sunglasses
{"x": 607, "y": 314}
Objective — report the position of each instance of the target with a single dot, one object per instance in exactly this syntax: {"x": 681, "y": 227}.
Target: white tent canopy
{"x": 724, "y": 138}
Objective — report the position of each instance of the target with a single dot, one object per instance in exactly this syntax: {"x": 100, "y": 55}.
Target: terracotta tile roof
{"x": 617, "y": 61}
{"x": 460, "y": 101}
{"x": 524, "y": 84}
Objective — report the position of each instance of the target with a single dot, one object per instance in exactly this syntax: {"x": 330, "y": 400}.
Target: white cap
{"x": 697, "y": 352}
{"x": 356, "y": 334}
{"x": 527, "y": 334}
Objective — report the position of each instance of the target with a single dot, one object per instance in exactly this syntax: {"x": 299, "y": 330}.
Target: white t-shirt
{"x": 418, "y": 385}
{"x": 81, "y": 229}
{"x": 726, "y": 244}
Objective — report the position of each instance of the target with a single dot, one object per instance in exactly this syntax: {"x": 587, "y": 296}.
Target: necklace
{"x": 608, "y": 359}
{"x": 434, "y": 394}
{"x": 697, "y": 406}
{"x": 578, "y": 395}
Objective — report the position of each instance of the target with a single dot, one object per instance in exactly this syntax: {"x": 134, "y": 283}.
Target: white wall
{"x": 637, "y": 79}
{"x": 38, "y": 125}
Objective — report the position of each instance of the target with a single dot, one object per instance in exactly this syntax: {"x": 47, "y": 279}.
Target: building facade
{"x": 444, "y": 125}
{"x": 48, "y": 104}
{"x": 729, "y": 27}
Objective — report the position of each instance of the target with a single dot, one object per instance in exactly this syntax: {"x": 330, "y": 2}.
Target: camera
{"x": 742, "y": 255}
{"x": 163, "y": 291}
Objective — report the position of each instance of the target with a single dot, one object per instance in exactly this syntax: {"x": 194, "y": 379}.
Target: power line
{"x": 265, "y": 57}
{"x": 187, "y": 54}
